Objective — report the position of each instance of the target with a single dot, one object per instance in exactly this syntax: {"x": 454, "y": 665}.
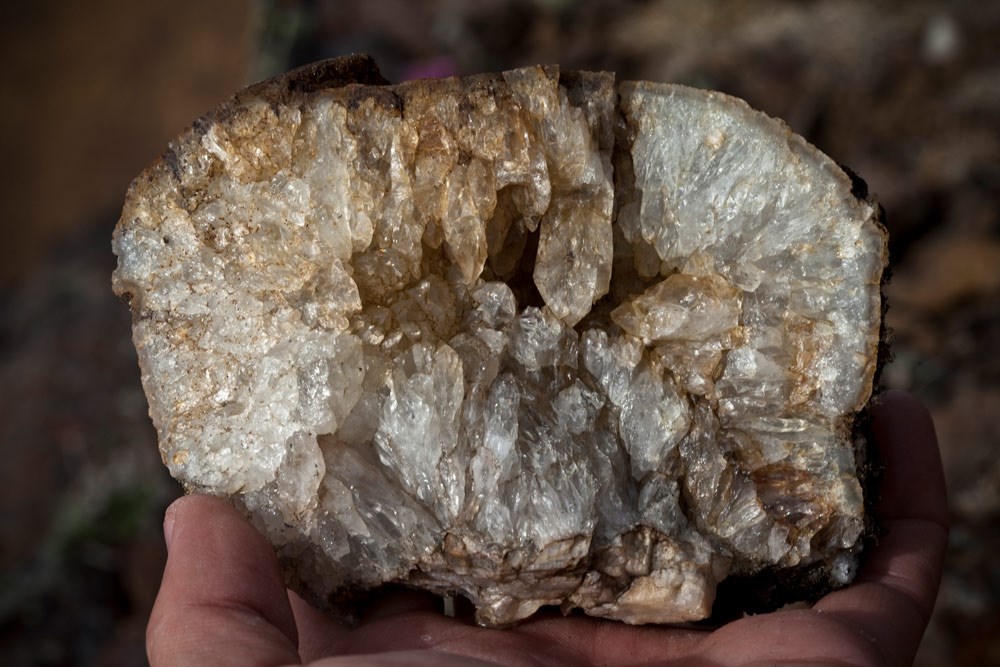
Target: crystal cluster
{"x": 535, "y": 338}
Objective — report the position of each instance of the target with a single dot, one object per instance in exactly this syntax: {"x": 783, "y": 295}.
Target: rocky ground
{"x": 905, "y": 93}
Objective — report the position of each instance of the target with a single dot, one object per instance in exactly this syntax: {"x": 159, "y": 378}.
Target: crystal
{"x": 534, "y": 338}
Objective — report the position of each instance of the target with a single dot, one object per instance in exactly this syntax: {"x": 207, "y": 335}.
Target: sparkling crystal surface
{"x": 536, "y": 338}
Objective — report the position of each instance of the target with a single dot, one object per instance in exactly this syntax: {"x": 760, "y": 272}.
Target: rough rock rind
{"x": 534, "y": 338}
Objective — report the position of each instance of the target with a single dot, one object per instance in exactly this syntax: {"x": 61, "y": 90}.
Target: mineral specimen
{"x": 535, "y": 338}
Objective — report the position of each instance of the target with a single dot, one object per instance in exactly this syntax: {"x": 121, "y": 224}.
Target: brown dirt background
{"x": 905, "y": 93}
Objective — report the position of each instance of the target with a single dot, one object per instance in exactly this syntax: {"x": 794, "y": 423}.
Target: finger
{"x": 913, "y": 487}
{"x": 417, "y": 658}
{"x": 222, "y": 601}
{"x": 604, "y": 642}
{"x": 892, "y": 600}
{"x": 790, "y": 637}
{"x": 396, "y": 600}
{"x": 319, "y": 634}
{"x": 392, "y": 606}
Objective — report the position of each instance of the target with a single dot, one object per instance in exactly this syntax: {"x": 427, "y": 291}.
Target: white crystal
{"x": 342, "y": 326}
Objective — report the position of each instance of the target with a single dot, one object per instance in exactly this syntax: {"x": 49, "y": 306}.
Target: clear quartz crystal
{"x": 535, "y": 339}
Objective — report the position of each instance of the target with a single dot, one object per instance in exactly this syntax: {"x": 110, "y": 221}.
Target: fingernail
{"x": 168, "y": 526}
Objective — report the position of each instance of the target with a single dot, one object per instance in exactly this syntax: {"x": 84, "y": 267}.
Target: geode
{"x": 534, "y": 338}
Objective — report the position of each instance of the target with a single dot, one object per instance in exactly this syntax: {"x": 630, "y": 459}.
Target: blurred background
{"x": 907, "y": 93}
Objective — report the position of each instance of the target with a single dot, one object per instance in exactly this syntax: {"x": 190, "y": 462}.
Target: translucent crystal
{"x": 534, "y": 338}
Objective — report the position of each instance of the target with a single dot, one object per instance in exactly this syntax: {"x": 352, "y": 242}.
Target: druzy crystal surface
{"x": 535, "y": 338}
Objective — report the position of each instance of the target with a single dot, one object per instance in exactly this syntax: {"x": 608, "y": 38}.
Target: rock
{"x": 535, "y": 338}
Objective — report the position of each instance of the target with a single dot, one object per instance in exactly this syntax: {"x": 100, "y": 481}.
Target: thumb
{"x": 222, "y": 600}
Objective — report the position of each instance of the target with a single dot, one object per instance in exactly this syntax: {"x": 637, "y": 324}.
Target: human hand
{"x": 223, "y": 602}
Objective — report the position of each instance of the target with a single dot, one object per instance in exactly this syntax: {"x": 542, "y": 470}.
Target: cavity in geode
{"x": 535, "y": 338}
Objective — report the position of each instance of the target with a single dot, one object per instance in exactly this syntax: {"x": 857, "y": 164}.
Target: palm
{"x": 222, "y": 601}
{"x": 801, "y": 635}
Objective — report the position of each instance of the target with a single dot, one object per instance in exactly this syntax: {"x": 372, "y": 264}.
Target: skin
{"x": 223, "y": 602}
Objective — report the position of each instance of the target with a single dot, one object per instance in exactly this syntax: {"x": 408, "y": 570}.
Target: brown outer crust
{"x": 763, "y": 591}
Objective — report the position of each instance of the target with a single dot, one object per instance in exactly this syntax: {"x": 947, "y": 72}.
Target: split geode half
{"x": 536, "y": 337}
